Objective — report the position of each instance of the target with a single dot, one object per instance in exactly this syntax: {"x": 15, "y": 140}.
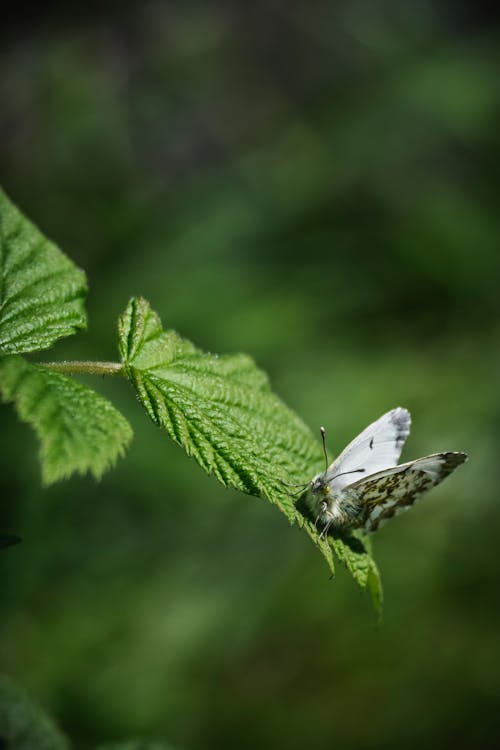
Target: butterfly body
{"x": 335, "y": 507}
{"x": 364, "y": 486}
{"x": 338, "y": 510}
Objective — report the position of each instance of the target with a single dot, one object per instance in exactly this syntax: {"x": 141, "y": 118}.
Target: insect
{"x": 364, "y": 487}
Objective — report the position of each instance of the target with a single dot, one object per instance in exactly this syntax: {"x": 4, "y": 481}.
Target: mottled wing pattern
{"x": 377, "y": 447}
{"x": 387, "y": 493}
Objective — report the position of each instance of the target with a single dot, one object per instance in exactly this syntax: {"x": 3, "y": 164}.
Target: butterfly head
{"x": 319, "y": 485}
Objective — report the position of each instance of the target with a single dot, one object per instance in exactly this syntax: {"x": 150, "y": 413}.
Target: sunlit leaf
{"x": 220, "y": 409}
{"x": 79, "y": 430}
{"x": 41, "y": 290}
{"x": 222, "y": 412}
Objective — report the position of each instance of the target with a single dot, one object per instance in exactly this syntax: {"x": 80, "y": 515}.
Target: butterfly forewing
{"x": 388, "y": 493}
{"x": 377, "y": 447}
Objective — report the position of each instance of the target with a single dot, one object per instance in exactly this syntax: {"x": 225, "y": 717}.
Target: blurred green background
{"x": 315, "y": 184}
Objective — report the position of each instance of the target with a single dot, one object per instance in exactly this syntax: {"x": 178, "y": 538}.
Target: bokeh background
{"x": 315, "y": 184}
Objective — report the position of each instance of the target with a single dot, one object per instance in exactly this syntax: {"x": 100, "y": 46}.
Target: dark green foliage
{"x": 7, "y": 540}
{"x": 315, "y": 184}
{"x": 23, "y": 725}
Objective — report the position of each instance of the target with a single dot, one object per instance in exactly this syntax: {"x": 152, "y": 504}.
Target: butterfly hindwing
{"x": 387, "y": 493}
{"x": 377, "y": 447}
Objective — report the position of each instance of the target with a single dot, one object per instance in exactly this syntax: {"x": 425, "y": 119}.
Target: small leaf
{"x": 23, "y": 725}
{"x": 220, "y": 409}
{"x": 79, "y": 430}
{"x": 41, "y": 290}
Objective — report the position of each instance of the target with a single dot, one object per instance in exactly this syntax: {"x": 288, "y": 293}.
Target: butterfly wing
{"x": 388, "y": 493}
{"x": 377, "y": 447}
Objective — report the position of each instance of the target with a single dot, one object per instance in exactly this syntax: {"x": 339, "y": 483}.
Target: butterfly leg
{"x": 298, "y": 493}
{"x": 325, "y": 529}
{"x": 303, "y": 485}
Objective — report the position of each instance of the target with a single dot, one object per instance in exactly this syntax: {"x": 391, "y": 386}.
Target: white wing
{"x": 377, "y": 447}
{"x": 388, "y": 493}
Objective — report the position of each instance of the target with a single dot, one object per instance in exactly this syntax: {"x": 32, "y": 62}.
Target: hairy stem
{"x": 87, "y": 368}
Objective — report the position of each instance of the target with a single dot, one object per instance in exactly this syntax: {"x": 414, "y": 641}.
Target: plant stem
{"x": 87, "y": 368}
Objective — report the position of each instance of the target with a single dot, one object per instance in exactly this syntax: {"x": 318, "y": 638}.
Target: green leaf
{"x": 220, "y": 409}
{"x": 79, "y": 430}
{"x": 41, "y": 290}
{"x": 23, "y": 726}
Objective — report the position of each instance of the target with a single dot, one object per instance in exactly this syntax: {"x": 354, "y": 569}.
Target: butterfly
{"x": 364, "y": 487}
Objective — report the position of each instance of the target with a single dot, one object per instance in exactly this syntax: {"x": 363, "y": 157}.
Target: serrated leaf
{"x": 23, "y": 725}
{"x": 220, "y": 409}
{"x": 79, "y": 430}
{"x": 41, "y": 290}
{"x": 351, "y": 551}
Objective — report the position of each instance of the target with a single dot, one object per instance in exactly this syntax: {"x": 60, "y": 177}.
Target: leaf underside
{"x": 79, "y": 430}
{"x": 41, "y": 290}
{"x": 222, "y": 412}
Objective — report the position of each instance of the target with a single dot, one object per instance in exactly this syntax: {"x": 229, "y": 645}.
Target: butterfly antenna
{"x": 323, "y": 433}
